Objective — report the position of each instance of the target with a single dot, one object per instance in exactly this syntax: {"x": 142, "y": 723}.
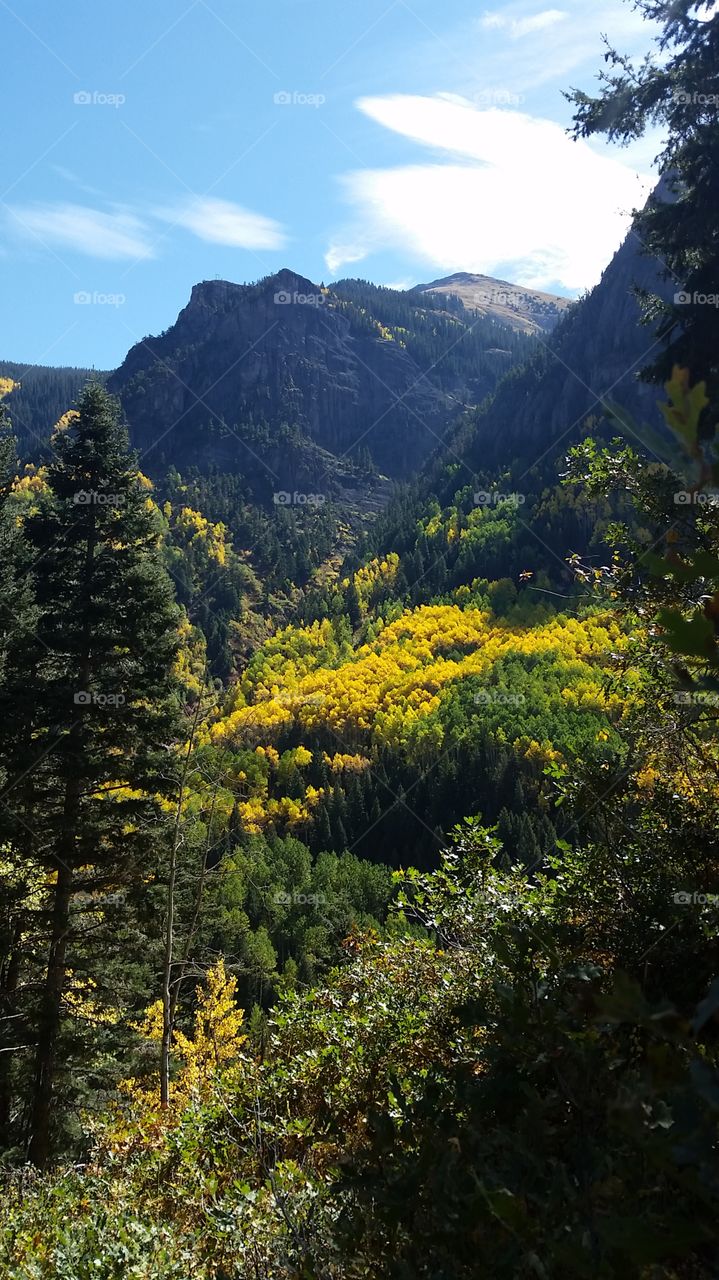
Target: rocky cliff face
{"x": 264, "y": 375}
{"x": 243, "y": 358}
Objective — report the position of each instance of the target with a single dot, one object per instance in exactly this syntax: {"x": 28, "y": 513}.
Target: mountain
{"x": 287, "y": 381}
{"x": 526, "y": 310}
{"x": 593, "y": 358}
{"x": 514, "y": 446}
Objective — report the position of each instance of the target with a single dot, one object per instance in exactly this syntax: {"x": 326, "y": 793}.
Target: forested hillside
{"x": 269, "y": 379}
{"x": 359, "y": 858}
{"x": 37, "y": 399}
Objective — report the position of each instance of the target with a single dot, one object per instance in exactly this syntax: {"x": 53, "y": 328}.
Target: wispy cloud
{"x": 119, "y": 234}
{"x": 524, "y": 47}
{"x": 222, "y": 222}
{"x": 93, "y": 232}
{"x": 519, "y": 27}
{"x": 513, "y": 196}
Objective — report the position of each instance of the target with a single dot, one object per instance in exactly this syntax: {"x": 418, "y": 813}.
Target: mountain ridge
{"x": 358, "y": 371}
{"x": 527, "y": 310}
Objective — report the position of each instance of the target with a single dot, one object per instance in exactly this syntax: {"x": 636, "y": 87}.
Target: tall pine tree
{"x": 89, "y": 758}
{"x": 18, "y": 879}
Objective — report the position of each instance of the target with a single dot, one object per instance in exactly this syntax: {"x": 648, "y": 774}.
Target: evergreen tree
{"x": 17, "y": 880}
{"x": 354, "y": 607}
{"x": 88, "y": 759}
{"x": 323, "y": 830}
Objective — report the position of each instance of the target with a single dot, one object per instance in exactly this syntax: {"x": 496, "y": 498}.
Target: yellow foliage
{"x": 33, "y": 482}
{"x": 646, "y": 778}
{"x": 79, "y": 1003}
{"x": 339, "y": 763}
{"x": 371, "y": 575}
{"x": 541, "y": 752}
{"x": 213, "y": 1047}
{"x": 190, "y": 661}
{"x": 66, "y": 420}
{"x": 390, "y": 686}
{"x": 196, "y": 528}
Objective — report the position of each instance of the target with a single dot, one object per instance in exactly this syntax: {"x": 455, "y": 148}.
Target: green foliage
{"x": 89, "y": 705}
{"x": 282, "y": 914}
{"x": 493, "y": 1098}
{"x": 504, "y": 1064}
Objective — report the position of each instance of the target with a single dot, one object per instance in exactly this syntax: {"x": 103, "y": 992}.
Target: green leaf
{"x": 693, "y": 637}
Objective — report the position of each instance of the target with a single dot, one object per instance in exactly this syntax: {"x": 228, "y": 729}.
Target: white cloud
{"x": 518, "y": 27}
{"x": 537, "y": 22}
{"x": 89, "y": 231}
{"x": 343, "y": 252}
{"x": 122, "y": 234}
{"x": 221, "y": 222}
{"x": 489, "y": 49}
{"x": 493, "y": 21}
{"x": 400, "y": 286}
{"x": 511, "y": 195}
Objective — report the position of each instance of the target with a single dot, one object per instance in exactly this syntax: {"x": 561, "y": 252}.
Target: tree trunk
{"x": 51, "y": 1004}
{"x": 168, "y": 1005}
{"x": 8, "y": 1013}
{"x": 39, "y": 1149}
{"x": 201, "y": 879}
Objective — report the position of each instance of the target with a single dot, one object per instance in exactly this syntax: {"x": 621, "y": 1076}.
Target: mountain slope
{"x": 243, "y": 361}
{"x": 594, "y": 357}
{"x": 526, "y": 310}
{"x": 40, "y": 396}
{"x": 492, "y": 506}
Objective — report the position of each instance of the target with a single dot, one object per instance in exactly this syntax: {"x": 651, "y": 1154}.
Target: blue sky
{"x": 151, "y": 145}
